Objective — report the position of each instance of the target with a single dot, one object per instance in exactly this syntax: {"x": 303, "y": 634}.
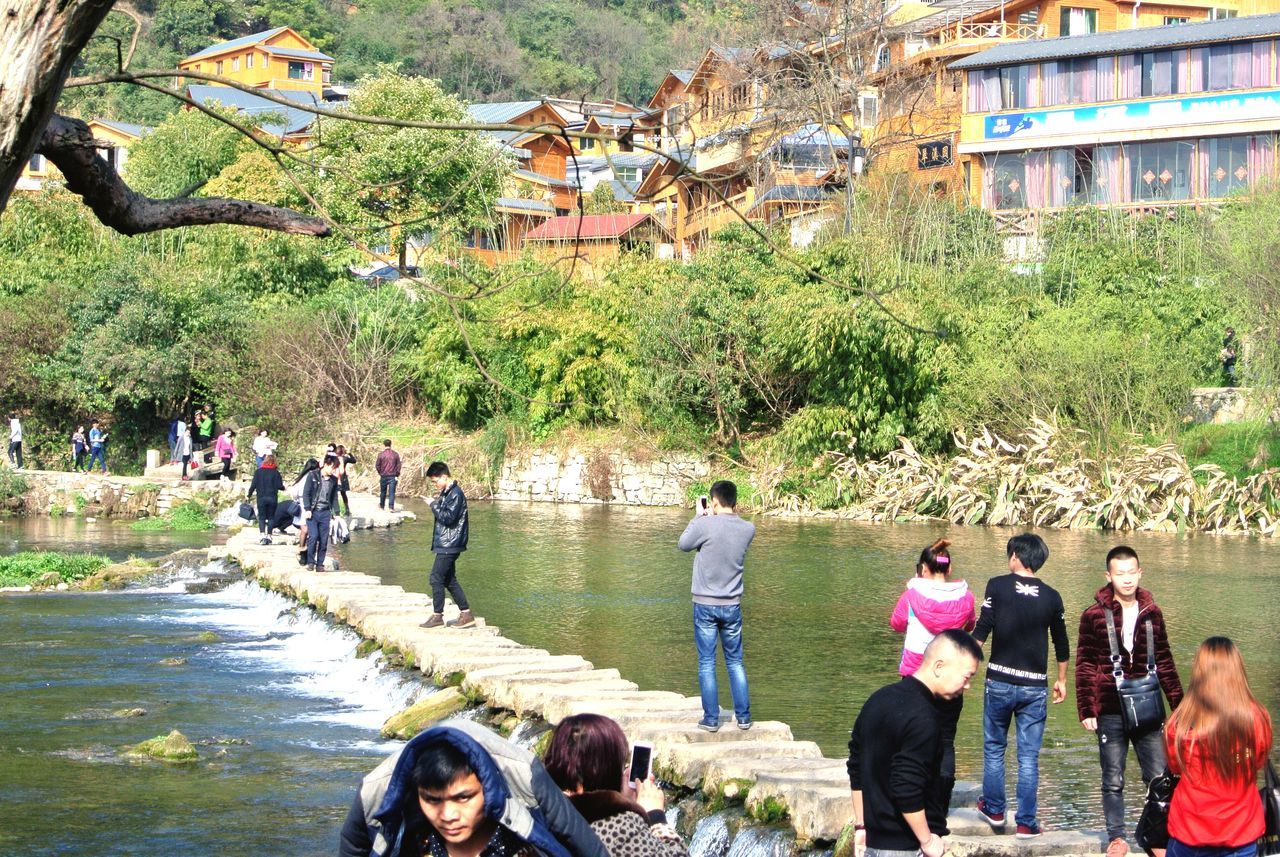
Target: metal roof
{"x": 242, "y": 42}
{"x": 528, "y": 175}
{"x": 1124, "y": 41}
{"x": 623, "y": 191}
{"x": 296, "y": 120}
{"x": 684, "y": 75}
{"x": 126, "y": 127}
{"x": 534, "y": 205}
{"x": 591, "y": 226}
{"x": 791, "y": 193}
{"x": 632, "y": 159}
{"x": 297, "y": 53}
{"x": 500, "y": 113}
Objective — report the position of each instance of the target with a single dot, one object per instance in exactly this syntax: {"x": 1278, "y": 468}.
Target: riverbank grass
{"x": 1240, "y": 449}
{"x": 190, "y": 516}
{"x": 32, "y": 567}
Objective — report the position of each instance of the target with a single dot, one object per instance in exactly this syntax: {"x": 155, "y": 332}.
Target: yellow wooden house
{"x": 115, "y": 139}
{"x": 273, "y": 59}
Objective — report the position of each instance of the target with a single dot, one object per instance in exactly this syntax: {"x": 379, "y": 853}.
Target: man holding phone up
{"x": 721, "y": 540}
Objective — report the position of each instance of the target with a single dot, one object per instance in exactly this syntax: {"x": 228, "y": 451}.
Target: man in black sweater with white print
{"x": 895, "y": 754}
{"x": 1023, "y": 613}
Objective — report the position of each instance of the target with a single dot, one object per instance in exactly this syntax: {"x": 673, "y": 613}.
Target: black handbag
{"x": 1153, "y": 825}
{"x": 1269, "y": 844}
{"x": 247, "y": 512}
{"x": 1141, "y": 703}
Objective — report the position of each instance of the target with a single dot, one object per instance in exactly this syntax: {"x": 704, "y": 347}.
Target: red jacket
{"x": 1209, "y": 811}
{"x": 1095, "y": 685}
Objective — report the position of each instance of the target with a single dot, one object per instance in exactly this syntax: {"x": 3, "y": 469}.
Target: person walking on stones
{"x": 267, "y": 484}
{"x": 79, "y": 449}
{"x": 721, "y": 539}
{"x": 587, "y": 758}
{"x": 97, "y": 446}
{"x": 895, "y": 752}
{"x": 388, "y": 466}
{"x": 184, "y": 450}
{"x": 934, "y": 603}
{"x": 448, "y": 540}
{"x": 1022, "y": 612}
{"x": 15, "y": 441}
{"x": 295, "y": 493}
{"x": 345, "y": 460}
{"x": 1217, "y": 742}
{"x": 319, "y": 496}
{"x": 1122, "y": 629}
{"x": 262, "y": 447}
{"x": 225, "y": 449}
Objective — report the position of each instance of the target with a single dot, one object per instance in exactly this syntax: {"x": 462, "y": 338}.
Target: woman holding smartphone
{"x": 589, "y": 760}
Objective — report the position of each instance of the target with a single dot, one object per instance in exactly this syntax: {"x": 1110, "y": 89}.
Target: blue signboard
{"x": 1134, "y": 115}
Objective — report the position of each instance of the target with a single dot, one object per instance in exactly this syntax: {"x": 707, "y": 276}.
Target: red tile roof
{"x": 593, "y": 227}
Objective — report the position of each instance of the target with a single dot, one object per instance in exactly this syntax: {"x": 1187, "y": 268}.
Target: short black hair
{"x": 386, "y": 441}
{"x": 439, "y": 764}
{"x": 963, "y": 642}
{"x": 1030, "y": 550}
{"x": 438, "y": 468}
{"x": 1121, "y": 552}
{"x": 725, "y": 492}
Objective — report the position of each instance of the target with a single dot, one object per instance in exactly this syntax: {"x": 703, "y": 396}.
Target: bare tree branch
{"x": 69, "y": 145}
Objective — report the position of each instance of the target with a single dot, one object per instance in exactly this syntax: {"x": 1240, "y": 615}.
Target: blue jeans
{"x": 98, "y": 453}
{"x": 387, "y": 491}
{"x": 318, "y": 537}
{"x": 1181, "y": 849}
{"x": 1027, "y": 707}
{"x": 724, "y": 623}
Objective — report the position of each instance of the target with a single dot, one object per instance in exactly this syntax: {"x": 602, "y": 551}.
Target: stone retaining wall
{"x": 600, "y": 476}
{"x": 100, "y": 496}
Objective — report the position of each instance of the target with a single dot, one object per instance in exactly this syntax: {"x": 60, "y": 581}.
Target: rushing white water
{"x": 762, "y": 842}
{"x": 264, "y": 632}
{"x": 711, "y": 836}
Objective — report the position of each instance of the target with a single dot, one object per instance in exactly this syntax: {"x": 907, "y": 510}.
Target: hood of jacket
{"x": 940, "y": 604}
{"x": 386, "y": 789}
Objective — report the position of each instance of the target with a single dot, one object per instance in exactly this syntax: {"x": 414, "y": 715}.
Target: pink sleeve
{"x": 898, "y": 621}
{"x": 973, "y": 613}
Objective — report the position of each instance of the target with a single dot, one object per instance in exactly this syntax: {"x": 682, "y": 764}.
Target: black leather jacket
{"x": 450, "y": 509}
{"x": 319, "y": 491}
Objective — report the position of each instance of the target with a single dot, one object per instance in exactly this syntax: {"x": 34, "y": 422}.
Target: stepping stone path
{"x": 765, "y": 765}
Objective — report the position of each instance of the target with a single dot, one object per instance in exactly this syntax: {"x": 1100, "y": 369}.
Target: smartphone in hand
{"x": 641, "y": 761}
{"x": 704, "y": 505}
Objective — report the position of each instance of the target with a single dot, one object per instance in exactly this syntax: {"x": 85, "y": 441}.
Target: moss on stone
{"x": 424, "y": 713}
{"x": 770, "y": 810}
{"x": 366, "y": 647}
{"x": 208, "y": 637}
{"x": 173, "y": 747}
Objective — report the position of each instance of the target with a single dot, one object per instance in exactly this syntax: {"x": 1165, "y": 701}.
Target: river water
{"x": 289, "y": 713}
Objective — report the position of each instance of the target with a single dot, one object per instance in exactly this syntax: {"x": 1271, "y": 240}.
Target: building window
{"x": 1173, "y": 21}
{"x": 1078, "y": 22}
{"x": 630, "y": 175}
{"x": 1229, "y": 67}
{"x": 1031, "y": 16}
{"x": 586, "y": 144}
{"x": 301, "y": 71}
{"x": 1226, "y": 167}
{"x": 1222, "y": 14}
{"x": 1014, "y": 86}
{"x": 1006, "y": 180}
{"x": 1157, "y": 73}
{"x": 36, "y": 164}
{"x": 882, "y": 58}
{"x": 217, "y": 67}
{"x": 1160, "y": 171}
{"x": 235, "y": 63}
{"x": 248, "y": 60}
{"x": 869, "y": 107}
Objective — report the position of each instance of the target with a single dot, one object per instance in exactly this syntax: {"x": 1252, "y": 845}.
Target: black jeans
{"x": 387, "y": 491}
{"x": 1113, "y": 752}
{"x": 266, "y": 513}
{"x": 226, "y": 468}
{"x": 938, "y": 800}
{"x": 318, "y": 537}
{"x": 444, "y": 575}
{"x": 15, "y": 453}
{"x": 186, "y": 463}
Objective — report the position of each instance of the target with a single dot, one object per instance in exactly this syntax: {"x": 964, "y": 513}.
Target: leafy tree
{"x": 182, "y": 153}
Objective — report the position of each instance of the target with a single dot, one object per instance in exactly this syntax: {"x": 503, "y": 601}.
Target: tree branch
{"x": 69, "y": 145}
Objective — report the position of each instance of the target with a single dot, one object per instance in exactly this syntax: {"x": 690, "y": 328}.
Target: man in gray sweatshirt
{"x": 721, "y": 539}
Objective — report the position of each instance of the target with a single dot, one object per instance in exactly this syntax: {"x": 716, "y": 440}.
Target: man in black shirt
{"x": 895, "y": 756}
{"x": 1023, "y": 613}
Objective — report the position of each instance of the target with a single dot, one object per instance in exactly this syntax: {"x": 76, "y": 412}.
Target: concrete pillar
{"x": 153, "y": 459}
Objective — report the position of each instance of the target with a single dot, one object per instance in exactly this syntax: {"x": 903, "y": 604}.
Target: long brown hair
{"x": 1220, "y": 714}
{"x": 936, "y": 558}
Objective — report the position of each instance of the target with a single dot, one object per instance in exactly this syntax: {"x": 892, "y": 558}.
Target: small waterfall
{"x": 711, "y": 836}
{"x": 526, "y": 734}
{"x": 762, "y": 842}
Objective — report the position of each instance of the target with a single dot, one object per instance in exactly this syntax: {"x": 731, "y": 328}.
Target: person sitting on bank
{"x": 587, "y": 757}
{"x": 459, "y": 790}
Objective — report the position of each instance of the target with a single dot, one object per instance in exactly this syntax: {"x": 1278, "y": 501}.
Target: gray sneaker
{"x": 707, "y": 726}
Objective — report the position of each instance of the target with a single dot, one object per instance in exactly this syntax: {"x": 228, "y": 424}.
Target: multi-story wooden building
{"x": 278, "y": 59}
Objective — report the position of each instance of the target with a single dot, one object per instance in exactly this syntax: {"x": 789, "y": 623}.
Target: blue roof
{"x": 127, "y": 127}
{"x": 623, "y": 191}
{"x": 242, "y": 42}
{"x": 684, "y": 75}
{"x": 541, "y": 179}
{"x": 814, "y": 135}
{"x": 297, "y": 53}
{"x": 792, "y": 193}
{"x": 295, "y": 120}
{"x": 500, "y": 113}
{"x": 535, "y": 205}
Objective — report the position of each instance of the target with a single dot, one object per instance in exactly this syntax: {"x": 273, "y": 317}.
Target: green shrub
{"x": 1240, "y": 449}
{"x": 190, "y": 516}
{"x": 12, "y": 485}
{"x": 22, "y": 569}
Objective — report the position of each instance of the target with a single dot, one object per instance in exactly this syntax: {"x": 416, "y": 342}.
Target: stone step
{"x": 687, "y": 763}
{"x": 720, "y": 771}
{"x": 816, "y": 810}
{"x": 1049, "y": 844}
{"x": 611, "y": 704}
{"x": 688, "y": 732}
{"x": 500, "y": 689}
{"x": 535, "y": 698}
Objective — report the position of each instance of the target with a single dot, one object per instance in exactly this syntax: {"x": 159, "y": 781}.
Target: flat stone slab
{"x": 817, "y": 811}
{"x": 687, "y": 732}
{"x": 502, "y": 690}
{"x": 612, "y": 703}
{"x": 535, "y": 698}
{"x": 1049, "y": 844}
{"x": 687, "y": 763}
{"x": 723, "y": 770}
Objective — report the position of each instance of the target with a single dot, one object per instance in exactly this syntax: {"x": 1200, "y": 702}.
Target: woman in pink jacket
{"x": 934, "y": 603}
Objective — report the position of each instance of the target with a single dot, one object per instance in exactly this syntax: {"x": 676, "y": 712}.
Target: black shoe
{"x": 302, "y": 559}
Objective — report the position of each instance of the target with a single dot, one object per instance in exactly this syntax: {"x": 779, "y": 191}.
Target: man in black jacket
{"x": 447, "y": 541}
{"x": 319, "y": 496}
{"x": 895, "y": 755}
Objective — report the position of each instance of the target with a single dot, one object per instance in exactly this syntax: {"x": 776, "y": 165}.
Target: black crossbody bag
{"x": 1140, "y": 701}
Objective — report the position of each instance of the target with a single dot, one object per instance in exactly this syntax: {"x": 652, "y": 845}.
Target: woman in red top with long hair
{"x": 1217, "y": 740}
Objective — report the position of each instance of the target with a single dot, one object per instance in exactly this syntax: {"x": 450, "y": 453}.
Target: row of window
{"x": 296, "y": 71}
{"x": 1212, "y": 68}
{"x": 1165, "y": 171}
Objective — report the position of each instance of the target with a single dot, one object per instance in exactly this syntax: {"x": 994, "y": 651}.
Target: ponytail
{"x": 936, "y": 558}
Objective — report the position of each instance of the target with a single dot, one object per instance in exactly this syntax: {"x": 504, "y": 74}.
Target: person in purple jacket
{"x": 934, "y": 603}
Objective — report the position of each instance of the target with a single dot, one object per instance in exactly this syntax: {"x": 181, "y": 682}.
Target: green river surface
{"x": 288, "y": 713}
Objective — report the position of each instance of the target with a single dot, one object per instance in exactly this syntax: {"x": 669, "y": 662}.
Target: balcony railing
{"x": 719, "y": 213}
{"x": 969, "y": 31}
